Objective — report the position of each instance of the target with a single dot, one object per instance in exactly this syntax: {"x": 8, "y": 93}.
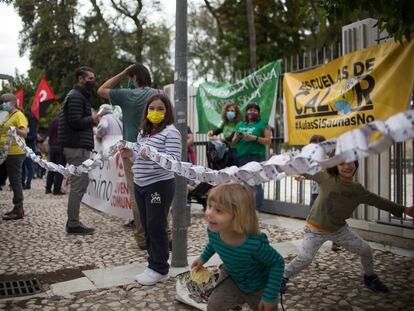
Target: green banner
{"x": 259, "y": 87}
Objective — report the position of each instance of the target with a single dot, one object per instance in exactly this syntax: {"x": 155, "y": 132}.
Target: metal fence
{"x": 393, "y": 169}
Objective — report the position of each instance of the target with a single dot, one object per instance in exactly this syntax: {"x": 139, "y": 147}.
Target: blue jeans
{"x": 154, "y": 202}
{"x": 258, "y": 188}
{"x": 54, "y": 178}
{"x": 27, "y": 172}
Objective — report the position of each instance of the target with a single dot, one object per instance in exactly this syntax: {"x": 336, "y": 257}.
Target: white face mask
{"x": 7, "y": 106}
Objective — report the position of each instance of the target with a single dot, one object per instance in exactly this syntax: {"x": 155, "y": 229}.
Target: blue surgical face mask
{"x": 131, "y": 85}
{"x": 230, "y": 115}
{"x": 7, "y": 106}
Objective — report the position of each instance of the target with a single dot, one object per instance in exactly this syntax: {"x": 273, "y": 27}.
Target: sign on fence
{"x": 107, "y": 190}
{"x": 259, "y": 87}
{"x": 353, "y": 90}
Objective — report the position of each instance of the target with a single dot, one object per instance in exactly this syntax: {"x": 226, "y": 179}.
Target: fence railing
{"x": 292, "y": 198}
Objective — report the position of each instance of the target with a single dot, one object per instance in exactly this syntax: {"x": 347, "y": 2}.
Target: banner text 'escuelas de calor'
{"x": 353, "y": 90}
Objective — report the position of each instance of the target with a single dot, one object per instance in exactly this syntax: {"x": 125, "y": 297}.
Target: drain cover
{"x": 19, "y": 288}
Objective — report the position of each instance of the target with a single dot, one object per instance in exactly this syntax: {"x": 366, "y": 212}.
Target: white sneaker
{"x": 150, "y": 277}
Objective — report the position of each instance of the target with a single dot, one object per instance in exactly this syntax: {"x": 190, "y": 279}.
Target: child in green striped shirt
{"x": 252, "y": 270}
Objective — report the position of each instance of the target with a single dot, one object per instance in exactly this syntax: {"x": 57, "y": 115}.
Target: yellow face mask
{"x": 155, "y": 117}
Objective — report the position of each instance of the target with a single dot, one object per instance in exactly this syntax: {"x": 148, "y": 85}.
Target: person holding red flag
{"x": 44, "y": 93}
{"x": 19, "y": 96}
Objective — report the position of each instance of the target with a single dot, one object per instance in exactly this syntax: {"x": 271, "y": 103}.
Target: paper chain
{"x": 348, "y": 147}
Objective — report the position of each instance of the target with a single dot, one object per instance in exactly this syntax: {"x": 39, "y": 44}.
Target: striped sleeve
{"x": 135, "y": 152}
{"x": 173, "y": 144}
{"x": 207, "y": 252}
{"x": 167, "y": 142}
{"x": 208, "y": 249}
{"x": 272, "y": 259}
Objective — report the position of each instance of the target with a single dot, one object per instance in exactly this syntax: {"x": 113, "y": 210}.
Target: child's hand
{"x": 125, "y": 152}
{"x": 197, "y": 264}
{"x": 267, "y": 306}
{"x": 299, "y": 178}
{"x": 144, "y": 154}
{"x": 409, "y": 211}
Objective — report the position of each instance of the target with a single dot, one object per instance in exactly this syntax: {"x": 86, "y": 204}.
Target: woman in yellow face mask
{"x": 154, "y": 186}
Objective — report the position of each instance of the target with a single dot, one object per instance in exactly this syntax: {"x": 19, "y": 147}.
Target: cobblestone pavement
{"x": 38, "y": 246}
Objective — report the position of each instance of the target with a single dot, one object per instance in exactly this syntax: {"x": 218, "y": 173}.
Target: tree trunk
{"x": 252, "y": 34}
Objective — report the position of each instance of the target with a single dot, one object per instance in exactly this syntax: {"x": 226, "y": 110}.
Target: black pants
{"x": 14, "y": 171}
{"x": 258, "y": 189}
{"x": 154, "y": 204}
{"x": 231, "y": 157}
{"x": 54, "y": 178}
{"x": 3, "y": 174}
{"x": 27, "y": 172}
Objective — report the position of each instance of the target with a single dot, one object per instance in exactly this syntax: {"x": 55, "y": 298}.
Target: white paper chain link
{"x": 350, "y": 146}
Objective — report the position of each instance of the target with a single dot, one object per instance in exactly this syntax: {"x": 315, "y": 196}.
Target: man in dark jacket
{"x": 76, "y": 137}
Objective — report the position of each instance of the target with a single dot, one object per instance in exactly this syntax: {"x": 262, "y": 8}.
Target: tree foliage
{"x": 219, "y": 42}
{"x": 219, "y": 46}
{"x": 48, "y": 34}
{"x": 396, "y": 16}
{"x": 128, "y": 36}
{"x": 115, "y": 33}
{"x": 108, "y": 37}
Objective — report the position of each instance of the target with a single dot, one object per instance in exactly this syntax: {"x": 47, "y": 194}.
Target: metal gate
{"x": 393, "y": 169}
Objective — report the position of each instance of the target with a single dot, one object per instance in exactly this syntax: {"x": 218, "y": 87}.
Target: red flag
{"x": 19, "y": 95}
{"x": 43, "y": 93}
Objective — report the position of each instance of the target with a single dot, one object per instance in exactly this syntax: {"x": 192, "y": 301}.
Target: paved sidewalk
{"x": 96, "y": 272}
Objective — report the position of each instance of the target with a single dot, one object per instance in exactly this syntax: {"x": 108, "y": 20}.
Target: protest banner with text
{"x": 353, "y": 90}
{"x": 259, "y": 87}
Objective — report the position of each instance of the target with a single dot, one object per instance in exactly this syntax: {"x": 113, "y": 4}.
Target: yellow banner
{"x": 358, "y": 88}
